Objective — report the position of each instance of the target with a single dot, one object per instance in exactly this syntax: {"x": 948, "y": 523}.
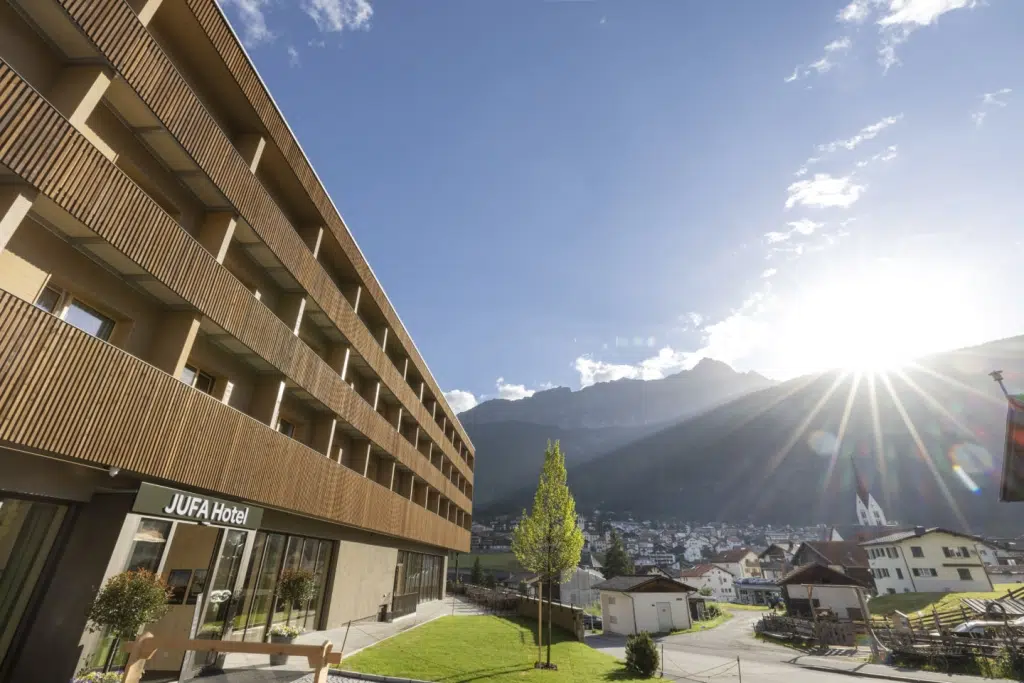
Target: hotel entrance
{"x": 201, "y": 562}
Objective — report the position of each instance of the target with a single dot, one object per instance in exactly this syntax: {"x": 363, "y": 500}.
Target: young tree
{"x": 617, "y": 561}
{"x": 476, "y": 576}
{"x": 548, "y": 541}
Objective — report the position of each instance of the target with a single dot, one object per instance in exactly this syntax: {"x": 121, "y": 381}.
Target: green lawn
{"x": 750, "y": 608}
{"x": 909, "y": 603}
{"x": 483, "y": 649}
{"x": 698, "y": 626}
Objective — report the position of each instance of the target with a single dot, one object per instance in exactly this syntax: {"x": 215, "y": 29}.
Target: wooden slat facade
{"x": 66, "y": 393}
{"x": 41, "y": 147}
{"x": 138, "y": 59}
{"x": 217, "y": 29}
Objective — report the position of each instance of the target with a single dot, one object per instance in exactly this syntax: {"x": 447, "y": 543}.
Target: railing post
{"x": 142, "y": 649}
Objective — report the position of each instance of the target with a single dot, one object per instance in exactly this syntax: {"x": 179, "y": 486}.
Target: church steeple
{"x": 869, "y": 512}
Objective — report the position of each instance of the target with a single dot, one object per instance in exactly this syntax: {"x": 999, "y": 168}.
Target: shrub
{"x": 129, "y": 601}
{"x": 641, "y": 654}
{"x": 705, "y": 591}
{"x": 712, "y": 610}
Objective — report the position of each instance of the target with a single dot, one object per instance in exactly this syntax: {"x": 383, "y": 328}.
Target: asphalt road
{"x": 711, "y": 655}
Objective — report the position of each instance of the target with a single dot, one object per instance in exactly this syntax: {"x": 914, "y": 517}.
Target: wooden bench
{"x": 320, "y": 657}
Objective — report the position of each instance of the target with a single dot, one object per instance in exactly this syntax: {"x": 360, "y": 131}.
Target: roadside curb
{"x": 868, "y": 674}
{"x": 373, "y": 677}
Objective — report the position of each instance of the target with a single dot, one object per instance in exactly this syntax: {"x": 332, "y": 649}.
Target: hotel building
{"x": 199, "y": 373}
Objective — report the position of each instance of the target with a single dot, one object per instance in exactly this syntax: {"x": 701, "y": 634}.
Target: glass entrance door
{"x": 222, "y": 597}
{"x": 27, "y": 532}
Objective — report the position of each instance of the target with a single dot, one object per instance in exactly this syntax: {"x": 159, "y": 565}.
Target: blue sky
{"x": 567, "y": 192}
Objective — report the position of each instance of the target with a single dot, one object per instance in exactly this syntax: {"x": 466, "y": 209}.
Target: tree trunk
{"x": 550, "y": 593}
{"x": 112, "y": 655}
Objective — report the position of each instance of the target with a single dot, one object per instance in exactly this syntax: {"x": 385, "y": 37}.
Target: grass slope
{"x": 505, "y": 562}
{"x": 482, "y": 649}
{"x": 699, "y": 626}
{"x": 910, "y": 603}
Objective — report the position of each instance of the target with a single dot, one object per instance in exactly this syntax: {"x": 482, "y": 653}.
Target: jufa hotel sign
{"x": 193, "y": 507}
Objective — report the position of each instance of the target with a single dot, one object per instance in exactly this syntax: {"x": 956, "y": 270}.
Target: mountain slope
{"x": 510, "y": 436}
{"x": 769, "y": 456}
{"x": 625, "y": 402}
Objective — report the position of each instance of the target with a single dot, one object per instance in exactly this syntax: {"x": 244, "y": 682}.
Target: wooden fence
{"x": 822, "y": 631}
{"x": 320, "y": 657}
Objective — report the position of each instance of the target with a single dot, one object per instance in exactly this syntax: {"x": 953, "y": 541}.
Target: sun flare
{"x": 876, "y": 320}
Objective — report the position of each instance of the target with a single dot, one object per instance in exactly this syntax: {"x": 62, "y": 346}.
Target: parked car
{"x": 592, "y": 622}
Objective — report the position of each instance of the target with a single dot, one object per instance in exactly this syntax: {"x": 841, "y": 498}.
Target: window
{"x": 880, "y": 573}
{"x": 956, "y": 552}
{"x": 965, "y": 573}
{"x": 916, "y": 551}
{"x": 924, "y": 571}
{"x": 196, "y": 378}
{"x": 892, "y": 552}
{"x": 890, "y": 591}
{"x": 611, "y": 600}
{"x": 72, "y": 311}
{"x": 899, "y": 573}
{"x": 286, "y": 428}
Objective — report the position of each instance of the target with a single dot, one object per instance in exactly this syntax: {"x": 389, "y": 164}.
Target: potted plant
{"x": 99, "y": 677}
{"x": 213, "y": 632}
{"x": 284, "y": 634}
{"x": 294, "y": 586}
{"x": 126, "y": 603}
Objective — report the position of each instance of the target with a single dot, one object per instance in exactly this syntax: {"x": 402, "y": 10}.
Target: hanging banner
{"x": 1011, "y": 488}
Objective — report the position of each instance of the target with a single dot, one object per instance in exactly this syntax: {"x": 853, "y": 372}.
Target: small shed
{"x": 825, "y": 589}
{"x": 656, "y": 604}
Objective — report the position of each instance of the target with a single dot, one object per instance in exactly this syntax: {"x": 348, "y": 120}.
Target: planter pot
{"x": 278, "y": 660}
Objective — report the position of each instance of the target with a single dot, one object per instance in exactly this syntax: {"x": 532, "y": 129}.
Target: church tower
{"x": 869, "y": 512}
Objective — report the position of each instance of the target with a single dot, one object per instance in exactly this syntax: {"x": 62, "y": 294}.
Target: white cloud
{"x": 512, "y": 392}
{"x": 804, "y": 226}
{"x": 888, "y": 154}
{"x": 988, "y": 101}
{"x": 460, "y": 400}
{"x": 594, "y": 371}
{"x": 824, "y": 64}
{"x": 695, "y": 319}
{"x": 843, "y": 43}
{"x": 333, "y": 16}
{"x": 769, "y": 272}
{"x": 293, "y": 56}
{"x": 774, "y": 237}
{"x": 254, "y": 23}
{"x": 824, "y": 191}
{"x": 856, "y": 12}
{"x": 668, "y": 361}
{"x": 865, "y": 133}
{"x": 920, "y": 12}
{"x": 544, "y": 386}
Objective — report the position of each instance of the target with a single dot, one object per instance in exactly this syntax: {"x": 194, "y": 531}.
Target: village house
{"x": 711, "y": 576}
{"x": 632, "y": 604}
{"x": 825, "y": 589}
{"x": 777, "y": 559}
{"x": 931, "y": 560}
{"x": 845, "y": 557}
{"x": 742, "y": 563}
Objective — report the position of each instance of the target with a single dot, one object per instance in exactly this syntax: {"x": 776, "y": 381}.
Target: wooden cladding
{"x": 114, "y": 28}
{"x": 215, "y": 25}
{"x": 39, "y": 145}
{"x": 66, "y": 393}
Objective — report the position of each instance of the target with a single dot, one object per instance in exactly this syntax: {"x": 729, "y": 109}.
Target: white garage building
{"x": 656, "y": 604}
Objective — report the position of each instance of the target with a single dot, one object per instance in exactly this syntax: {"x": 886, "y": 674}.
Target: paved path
{"x": 711, "y": 656}
{"x": 243, "y": 668}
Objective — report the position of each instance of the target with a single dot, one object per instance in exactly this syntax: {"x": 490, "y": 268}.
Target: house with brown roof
{"x": 713, "y": 577}
{"x": 742, "y": 563}
{"x": 823, "y": 588}
{"x": 845, "y": 557}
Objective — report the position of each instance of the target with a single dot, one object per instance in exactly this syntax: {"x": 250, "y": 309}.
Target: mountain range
{"x": 721, "y": 445}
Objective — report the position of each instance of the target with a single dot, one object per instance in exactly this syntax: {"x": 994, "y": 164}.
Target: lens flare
{"x": 966, "y": 480}
{"x": 971, "y": 458}
{"x": 821, "y": 442}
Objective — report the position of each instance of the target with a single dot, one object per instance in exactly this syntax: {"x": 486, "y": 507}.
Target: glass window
{"x": 194, "y": 377}
{"x": 148, "y": 545}
{"x": 965, "y": 573}
{"x": 88, "y": 320}
{"x": 916, "y": 551}
{"x": 27, "y": 532}
{"x": 49, "y": 299}
{"x": 286, "y": 428}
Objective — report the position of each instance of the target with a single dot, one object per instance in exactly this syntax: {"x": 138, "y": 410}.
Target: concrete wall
{"x": 720, "y": 582}
{"x": 363, "y": 580}
{"x": 621, "y": 606}
{"x": 931, "y": 545}
{"x": 52, "y": 648}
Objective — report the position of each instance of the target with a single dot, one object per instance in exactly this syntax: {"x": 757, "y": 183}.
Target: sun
{"x": 876, "y": 319}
